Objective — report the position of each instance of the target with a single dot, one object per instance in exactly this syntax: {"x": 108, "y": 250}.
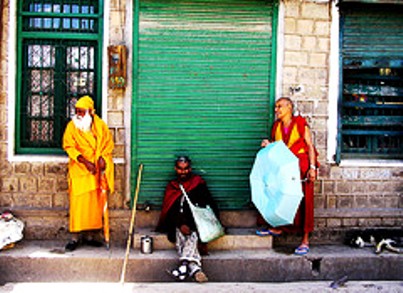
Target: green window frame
{"x": 59, "y": 59}
{"x": 370, "y": 121}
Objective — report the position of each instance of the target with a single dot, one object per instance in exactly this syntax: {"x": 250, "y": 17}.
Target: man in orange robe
{"x": 295, "y": 133}
{"x": 89, "y": 145}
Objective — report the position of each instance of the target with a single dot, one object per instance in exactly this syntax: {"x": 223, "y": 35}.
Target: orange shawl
{"x": 91, "y": 145}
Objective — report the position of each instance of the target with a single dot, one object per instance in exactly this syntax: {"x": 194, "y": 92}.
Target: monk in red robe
{"x": 295, "y": 133}
{"x": 176, "y": 220}
{"x": 89, "y": 145}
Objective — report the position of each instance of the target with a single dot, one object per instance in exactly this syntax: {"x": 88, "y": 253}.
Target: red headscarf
{"x": 173, "y": 192}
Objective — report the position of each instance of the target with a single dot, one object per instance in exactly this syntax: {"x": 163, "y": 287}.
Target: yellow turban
{"x": 85, "y": 103}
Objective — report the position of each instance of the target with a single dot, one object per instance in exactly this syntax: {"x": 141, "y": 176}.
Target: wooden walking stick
{"x": 136, "y": 194}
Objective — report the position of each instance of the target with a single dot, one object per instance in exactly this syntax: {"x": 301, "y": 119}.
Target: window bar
{"x": 372, "y": 143}
{"x": 40, "y": 112}
{"x": 81, "y": 70}
{"x": 88, "y": 56}
{"x": 80, "y": 10}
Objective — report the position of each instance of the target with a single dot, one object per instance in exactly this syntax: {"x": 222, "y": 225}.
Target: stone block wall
{"x": 304, "y": 71}
{"x": 346, "y": 197}
{"x": 35, "y": 190}
{"x": 118, "y": 101}
{"x": 3, "y": 82}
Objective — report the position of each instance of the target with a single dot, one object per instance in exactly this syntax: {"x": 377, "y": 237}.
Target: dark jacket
{"x": 178, "y": 216}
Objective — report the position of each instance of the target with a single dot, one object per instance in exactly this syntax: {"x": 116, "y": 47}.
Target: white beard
{"x": 83, "y": 123}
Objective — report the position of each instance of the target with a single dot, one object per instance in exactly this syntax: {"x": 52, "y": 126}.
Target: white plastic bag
{"x": 207, "y": 224}
{"x": 10, "y": 229}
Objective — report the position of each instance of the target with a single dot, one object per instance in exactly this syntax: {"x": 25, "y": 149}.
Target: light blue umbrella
{"x": 276, "y": 184}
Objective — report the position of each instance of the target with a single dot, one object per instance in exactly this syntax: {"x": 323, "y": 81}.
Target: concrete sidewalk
{"x": 291, "y": 287}
{"x": 41, "y": 262}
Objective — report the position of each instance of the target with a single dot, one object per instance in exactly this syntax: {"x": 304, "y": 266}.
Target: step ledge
{"x": 46, "y": 249}
{"x": 234, "y": 239}
{"x": 31, "y": 261}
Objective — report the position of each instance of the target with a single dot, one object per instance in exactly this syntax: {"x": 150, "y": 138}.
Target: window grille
{"x": 58, "y": 61}
{"x": 371, "y": 99}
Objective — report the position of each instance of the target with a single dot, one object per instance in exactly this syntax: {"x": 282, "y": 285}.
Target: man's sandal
{"x": 267, "y": 232}
{"x": 93, "y": 243}
{"x": 302, "y": 249}
{"x": 71, "y": 245}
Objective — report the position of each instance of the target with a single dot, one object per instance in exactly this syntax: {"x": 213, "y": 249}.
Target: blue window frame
{"x": 371, "y": 87}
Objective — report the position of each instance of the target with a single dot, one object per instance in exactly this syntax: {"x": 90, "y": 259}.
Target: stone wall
{"x": 346, "y": 197}
{"x": 37, "y": 190}
{"x": 304, "y": 71}
{"x": 44, "y": 184}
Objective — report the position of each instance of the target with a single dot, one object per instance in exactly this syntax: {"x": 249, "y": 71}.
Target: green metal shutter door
{"x": 203, "y": 91}
{"x": 372, "y": 31}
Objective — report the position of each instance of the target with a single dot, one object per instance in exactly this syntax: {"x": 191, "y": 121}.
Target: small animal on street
{"x": 379, "y": 239}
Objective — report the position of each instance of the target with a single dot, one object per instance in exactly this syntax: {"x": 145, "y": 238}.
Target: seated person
{"x": 176, "y": 220}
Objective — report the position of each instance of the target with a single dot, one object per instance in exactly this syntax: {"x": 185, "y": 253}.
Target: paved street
{"x": 294, "y": 287}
